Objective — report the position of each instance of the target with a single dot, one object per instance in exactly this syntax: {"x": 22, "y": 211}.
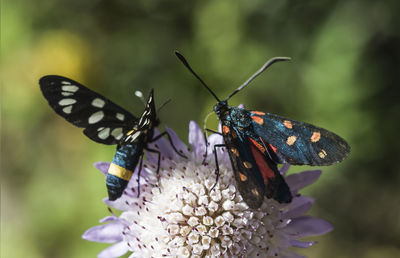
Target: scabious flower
{"x": 178, "y": 215}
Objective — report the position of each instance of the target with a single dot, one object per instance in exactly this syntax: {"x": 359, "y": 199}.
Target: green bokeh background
{"x": 344, "y": 76}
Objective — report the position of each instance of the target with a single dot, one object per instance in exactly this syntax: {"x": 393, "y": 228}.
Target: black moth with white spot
{"x": 106, "y": 123}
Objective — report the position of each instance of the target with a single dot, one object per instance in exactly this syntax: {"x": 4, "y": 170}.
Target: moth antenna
{"x": 262, "y": 69}
{"x": 186, "y": 64}
{"x": 163, "y": 104}
{"x": 139, "y": 94}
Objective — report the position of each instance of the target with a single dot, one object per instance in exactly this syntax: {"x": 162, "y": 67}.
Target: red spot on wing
{"x": 225, "y": 129}
{"x": 259, "y": 146}
{"x": 258, "y": 113}
{"x": 262, "y": 164}
{"x": 273, "y": 148}
{"x": 258, "y": 120}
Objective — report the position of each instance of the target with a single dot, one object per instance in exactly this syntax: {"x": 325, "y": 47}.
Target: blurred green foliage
{"x": 344, "y": 76}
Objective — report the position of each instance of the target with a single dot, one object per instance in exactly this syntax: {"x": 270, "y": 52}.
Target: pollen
{"x": 291, "y": 140}
{"x": 315, "y": 136}
{"x": 235, "y": 151}
{"x": 288, "y": 124}
{"x": 322, "y": 154}
{"x": 225, "y": 129}
{"x": 247, "y": 164}
{"x": 258, "y": 113}
{"x": 258, "y": 120}
{"x": 242, "y": 177}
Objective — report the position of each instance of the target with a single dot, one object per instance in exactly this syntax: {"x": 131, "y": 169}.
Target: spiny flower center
{"x": 201, "y": 220}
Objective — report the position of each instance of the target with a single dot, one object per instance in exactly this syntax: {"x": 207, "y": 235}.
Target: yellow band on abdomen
{"x": 120, "y": 172}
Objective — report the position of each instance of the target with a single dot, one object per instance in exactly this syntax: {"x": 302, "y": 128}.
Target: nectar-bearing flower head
{"x": 180, "y": 213}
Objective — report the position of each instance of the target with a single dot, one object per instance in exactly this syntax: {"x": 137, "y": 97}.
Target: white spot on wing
{"x": 65, "y": 82}
{"x": 66, "y": 102}
{"x": 103, "y": 134}
{"x": 67, "y": 109}
{"x": 67, "y": 93}
{"x": 96, "y": 117}
{"x": 117, "y": 133}
{"x": 120, "y": 116}
{"x": 98, "y": 103}
{"x": 70, "y": 88}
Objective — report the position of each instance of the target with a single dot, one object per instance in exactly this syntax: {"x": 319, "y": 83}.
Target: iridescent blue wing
{"x": 104, "y": 121}
{"x": 298, "y": 143}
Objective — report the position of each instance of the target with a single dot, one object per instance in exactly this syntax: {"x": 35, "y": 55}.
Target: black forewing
{"x": 252, "y": 189}
{"x": 79, "y": 106}
{"x": 307, "y": 145}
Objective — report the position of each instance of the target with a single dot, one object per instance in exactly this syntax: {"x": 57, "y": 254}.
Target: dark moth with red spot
{"x": 257, "y": 142}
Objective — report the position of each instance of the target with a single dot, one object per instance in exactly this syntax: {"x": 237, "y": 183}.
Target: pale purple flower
{"x": 178, "y": 216}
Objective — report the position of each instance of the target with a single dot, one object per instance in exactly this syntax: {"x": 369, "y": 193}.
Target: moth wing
{"x": 104, "y": 121}
{"x": 297, "y": 142}
{"x": 250, "y": 185}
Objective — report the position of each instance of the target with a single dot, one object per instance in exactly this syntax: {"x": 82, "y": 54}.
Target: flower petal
{"x": 115, "y": 250}
{"x": 179, "y": 145}
{"x": 108, "y": 219}
{"x": 301, "y": 180}
{"x": 298, "y": 206}
{"x": 197, "y": 141}
{"x": 284, "y": 169}
{"x": 301, "y": 244}
{"x": 107, "y": 233}
{"x": 102, "y": 166}
{"x": 307, "y": 226}
{"x": 163, "y": 145}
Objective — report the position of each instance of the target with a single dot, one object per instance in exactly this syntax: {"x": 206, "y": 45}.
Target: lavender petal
{"x": 163, "y": 145}
{"x": 197, "y": 141}
{"x": 179, "y": 145}
{"x": 298, "y": 206}
{"x": 284, "y": 169}
{"x": 115, "y": 250}
{"x": 301, "y": 180}
{"x": 301, "y": 244}
{"x": 307, "y": 226}
{"x": 108, "y": 219}
{"x": 107, "y": 233}
{"x": 102, "y": 166}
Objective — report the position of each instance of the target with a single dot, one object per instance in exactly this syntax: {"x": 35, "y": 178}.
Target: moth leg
{"x": 205, "y": 154}
{"x": 205, "y": 139}
{"x": 139, "y": 171}
{"x": 216, "y": 163}
{"x": 212, "y": 131}
{"x": 170, "y": 141}
{"x": 158, "y": 160}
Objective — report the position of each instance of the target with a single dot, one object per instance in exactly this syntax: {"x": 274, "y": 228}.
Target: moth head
{"x": 221, "y": 107}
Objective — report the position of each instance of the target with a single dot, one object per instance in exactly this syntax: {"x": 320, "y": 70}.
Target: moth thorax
{"x": 240, "y": 117}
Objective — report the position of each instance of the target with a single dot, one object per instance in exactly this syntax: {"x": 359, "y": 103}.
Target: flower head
{"x": 180, "y": 214}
